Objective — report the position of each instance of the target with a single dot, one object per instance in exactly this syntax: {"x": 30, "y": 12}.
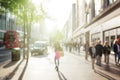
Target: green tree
{"x": 56, "y": 36}
{"x": 25, "y": 12}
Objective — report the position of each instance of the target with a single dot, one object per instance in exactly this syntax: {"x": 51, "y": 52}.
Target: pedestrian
{"x": 116, "y": 49}
{"x": 70, "y": 46}
{"x": 79, "y": 47}
{"x": 92, "y": 52}
{"x": 86, "y": 47}
{"x": 99, "y": 51}
{"x": 106, "y": 51}
{"x": 57, "y": 48}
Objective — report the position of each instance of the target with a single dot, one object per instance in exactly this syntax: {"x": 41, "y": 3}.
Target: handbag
{"x": 61, "y": 53}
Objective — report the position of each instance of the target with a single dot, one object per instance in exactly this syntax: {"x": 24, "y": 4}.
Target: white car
{"x": 39, "y": 47}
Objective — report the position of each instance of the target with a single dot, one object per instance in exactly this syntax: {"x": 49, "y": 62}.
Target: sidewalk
{"x": 8, "y": 69}
{"x": 111, "y": 71}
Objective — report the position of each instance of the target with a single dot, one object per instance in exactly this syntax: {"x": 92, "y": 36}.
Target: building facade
{"x": 67, "y": 29}
{"x": 97, "y": 20}
{"x": 7, "y": 22}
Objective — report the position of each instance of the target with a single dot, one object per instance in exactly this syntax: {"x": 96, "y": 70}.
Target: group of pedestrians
{"x": 97, "y": 50}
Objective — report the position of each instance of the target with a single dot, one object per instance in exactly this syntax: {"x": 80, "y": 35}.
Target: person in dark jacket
{"x": 99, "y": 51}
{"x": 92, "y": 52}
{"x": 106, "y": 51}
{"x": 115, "y": 49}
{"x": 118, "y": 50}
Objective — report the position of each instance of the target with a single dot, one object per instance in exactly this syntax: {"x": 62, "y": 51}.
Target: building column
{"x": 84, "y": 11}
{"x": 77, "y": 12}
{"x": 74, "y": 16}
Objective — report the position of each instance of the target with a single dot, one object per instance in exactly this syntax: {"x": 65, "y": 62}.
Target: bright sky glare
{"x": 58, "y": 10}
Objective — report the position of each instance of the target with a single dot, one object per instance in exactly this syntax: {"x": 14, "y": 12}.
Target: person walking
{"x": 118, "y": 50}
{"x": 118, "y": 57}
{"x": 92, "y": 52}
{"x": 79, "y": 47}
{"x": 57, "y": 49}
{"x": 99, "y": 51}
{"x": 86, "y": 47}
{"x": 106, "y": 51}
{"x": 115, "y": 49}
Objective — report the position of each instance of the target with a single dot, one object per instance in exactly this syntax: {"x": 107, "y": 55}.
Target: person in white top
{"x": 92, "y": 51}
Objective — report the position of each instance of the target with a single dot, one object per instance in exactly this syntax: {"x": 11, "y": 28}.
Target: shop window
{"x": 112, "y": 38}
{"x": 107, "y": 38}
{"x": 118, "y": 36}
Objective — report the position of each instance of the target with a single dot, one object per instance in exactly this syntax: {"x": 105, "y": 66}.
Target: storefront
{"x": 95, "y": 37}
{"x": 118, "y": 32}
{"x": 111, "y": 35}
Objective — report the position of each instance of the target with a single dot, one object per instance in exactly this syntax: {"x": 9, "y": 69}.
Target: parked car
{"x": 39, "y": 47}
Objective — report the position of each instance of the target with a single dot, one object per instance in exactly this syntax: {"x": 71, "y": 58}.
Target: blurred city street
{"x": 35, "y": 33}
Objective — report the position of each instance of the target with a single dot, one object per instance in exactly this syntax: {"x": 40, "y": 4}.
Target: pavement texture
{"x": 8, "y": 69}
{"x": 73, "y": 66}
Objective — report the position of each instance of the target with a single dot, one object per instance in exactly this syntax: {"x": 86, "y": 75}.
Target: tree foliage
{"x": 12, "y": 4}
{"x": 26, "y": 14}
{"x": 56, "y": 36}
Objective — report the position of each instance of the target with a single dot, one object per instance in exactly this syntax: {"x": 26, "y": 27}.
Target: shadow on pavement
{"x": 104, "y": 75}
{"x": 9, "y": 76}
{"x": 110, "y": 69}
{"x": 115, "y": 66}
{"x": 10, "y": 64}
{"x": 61, "y": 75}
{"x": 104, "y": 71}
{"x": 23, "y": 72}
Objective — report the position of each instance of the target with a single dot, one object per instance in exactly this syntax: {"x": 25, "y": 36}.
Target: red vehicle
{"x": 11, "y": 39}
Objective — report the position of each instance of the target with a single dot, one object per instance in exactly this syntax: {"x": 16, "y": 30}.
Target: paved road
{"x": 71, "y": 68}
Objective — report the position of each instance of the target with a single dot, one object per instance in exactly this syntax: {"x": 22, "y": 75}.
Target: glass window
{"x": 11, "y": 37}
{"x": 111, "y": 1}
{"x": 1, "y": 35}
{"x": 97, "y": 6}
{"x": 118, "y": 31}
